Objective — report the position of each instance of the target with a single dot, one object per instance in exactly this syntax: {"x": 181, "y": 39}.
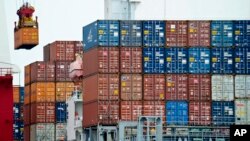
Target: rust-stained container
{"x": 27, "y": 93}
{"x": 131, "y": 60}
{"x": 100, "y": 113}
{"x": 130, "y": 110}
{"x": 199, "y": 33}
{"x": 103, "y": 60}
{"x": 62, "y": 71}
{"x": 154, "y": 108}
{"x": 16, "y": 94}
{"x": 43, "y": 112}
{"x": 27, "y": 75}
{"x": 176, "y": 33}
{"x": 42, "y": 71}
{"x": 26, "y": 114}
{"x": 131, "y": 87}
{"x": 26, "y": 133}
{"x": 63, "y": 91}
{"x": 199, "y": 113}
{"x": 101, "y": 87}
{"x": 43, "y": 92}
{"x": 154, "y": 86}
{"x": 199, "y": 87}
{"x": 176, "y": 87}
{"x": 26, "y": 38}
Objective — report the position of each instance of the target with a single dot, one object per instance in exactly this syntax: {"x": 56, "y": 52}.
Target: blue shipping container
{"x": 16, "y": 111}
{"x": 154, "y": 33}
{"x": 223, "y": 112}
{"x": 61, "y": 112}
{"x": 131, "y": 33}
{"x": 222, "y": 33}
{"x": 21, "y": 94}
{"x": 21, "y": 129}
{"x": 101, "y": 33}
{"x": 199, "y": 60}
{"x": 177, "y": 112}
{"x": 242, "y": 60}
{"x": 222, "y": 60}
{"x": 242, "y": 33}
{"x": 153, "y": 60}
{"x": 16, "y": 130}
{"x": 176, "y": 60}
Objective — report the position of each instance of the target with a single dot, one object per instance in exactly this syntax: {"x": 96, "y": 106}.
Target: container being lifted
{"x": 26, "y": 31}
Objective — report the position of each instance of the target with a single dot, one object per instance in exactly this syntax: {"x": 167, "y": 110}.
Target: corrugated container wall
{"x": 63, "y": 91}
{"x": 131, "y": 87}
{"x": 16, "y": 111}
{"x": 130, "y": 110}
{"x": 62, "y": 71}
{"x": 26, "y": 114}
{"x": 43, "y": 92}
{"x": 242, "y": 60}
{"x": 176, "y": 33}
{"x": 103, "y": 60}
{"x": 242, "y": 33}
{"x": 176, "y": 87}
{"x": 27, "y": 75}
{"x": 100, "y": 112}
{"x": 153, "y": 33}
{"x": 130, "y": 60}
{"x": 154, "y": 87}
{"x": 101, "y": 33}
{"x": 42, "y": 71}
{"x": 26, "y": 38}
{"x": 242, "y": 114}
{"x": 199, "y": 33}
{"x": 176, "y": 60}
{"x": 242, "y": 89}
{"x": 199, "y": 113}
{"x": 199, "y": 60}
{"x": 222, "y": 33}
{"x": 101, "y": 87}
{"x": 199, "y": 87}
{"x": 42, "y": 132}
{"x": 16, "y": 94}
{"x": 27, "y": 94}
{"x": 222, "y": 87}
{"x": 42, "y": 112}
{"x": 27, "y": 133}
{"x": 154, "y": 60}
{"x": 154, "y": 108}
{"x": 61, "y": 112}
{"x": 223, "y": 112}
{"x": 177, "y": 112}
{"x": 60, "y": 131}
{"x": 131, "y": 33}
{"x": 22, "y": 92}
{"x": 222, "y": 60}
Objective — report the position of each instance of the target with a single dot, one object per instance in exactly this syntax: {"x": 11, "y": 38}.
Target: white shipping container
{"x": 42, "y": 132}
{"x": 242, "y": 86}
{"x": 60, "y": 131}
{"x": 222, "y": 87}
{"x": 242, "y": 112}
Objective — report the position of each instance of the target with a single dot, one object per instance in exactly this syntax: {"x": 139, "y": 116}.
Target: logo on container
{"x": 90, "y": 36}
{"x": 239, "y": 132}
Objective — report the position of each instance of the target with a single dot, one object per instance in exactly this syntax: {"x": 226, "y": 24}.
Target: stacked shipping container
{"x": 47, "y": 87}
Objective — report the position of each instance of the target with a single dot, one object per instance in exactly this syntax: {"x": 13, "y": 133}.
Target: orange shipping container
{"x": 131, "y": 87}
{"x": 27, "y": 94}
{"x": 26, "y": 38}
{"x": 63, "y": 91}
{"x": 27, "y": 75}
{"x": 16, "y": 94}
{"x": 43, "y": 92}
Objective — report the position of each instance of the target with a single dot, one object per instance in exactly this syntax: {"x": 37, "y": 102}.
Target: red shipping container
{"x": 176, "y": 33}
{"x": 199, "y": 87}
{"x": 27, "y": 93}
{"x": 42, "y": 71}
{"x": 26, "y": 114}
{"x": 26, "y": 133}
{"x": 27, "y": 75}
{"x": 103, "y": 60}
{"x": 177, "y": 87}
{"x": 62, "y": 71}
{"x": 100, "y": 113}
{"x": 199, "y": 33}
{"x": 154, "y": 86}
{"x": 43, "y": 112}
{"x": 131, "y": 87}
{"x": 50, "y": 71}
{"x": 62, "y": 51}
{"x": 130, "y": 110}
{"x": 199, "y": 113}
{"x": 101, "y": 87}
{"x": 154, "y": 108}
{"x": 131, "y": 59}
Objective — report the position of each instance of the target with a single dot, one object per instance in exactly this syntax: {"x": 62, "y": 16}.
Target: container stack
{"x": 47, "y": 87}
{"x": 18, "y": 99}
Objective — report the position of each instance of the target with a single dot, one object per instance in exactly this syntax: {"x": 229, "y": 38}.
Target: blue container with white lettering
{"x": 222, "y": 33}
{"x": 131, "y": 33}
{"x": 21, "y": 94}
{"x": 176, "y": 60}
{"x": 153, "y": 33}
{"x": 101, "y": 33}
{"x": 199, "y": 60}
{"x": 223, "y": 112}
{"x": 16, "y": 111}
{"x": 154, "y": 60}
{"x": 242, "y": 60}
{"x": 242, "y": 33}
{"x": 177, "y": 112}
{"x": 61, "y": 112}
{"x": 222, "y": 60}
